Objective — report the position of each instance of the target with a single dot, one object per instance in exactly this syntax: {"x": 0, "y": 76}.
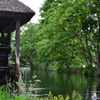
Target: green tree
{"x": 28, "y": 41}
{"x": 67, "y": 36}
{"x": 71, "y": 29}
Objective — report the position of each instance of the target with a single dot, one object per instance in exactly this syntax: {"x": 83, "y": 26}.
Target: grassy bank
{"x": 7, "y": 94}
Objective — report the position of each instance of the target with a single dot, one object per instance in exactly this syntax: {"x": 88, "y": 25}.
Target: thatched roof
{"x": 10, "y": 10}
{"x": 14, "y": 6}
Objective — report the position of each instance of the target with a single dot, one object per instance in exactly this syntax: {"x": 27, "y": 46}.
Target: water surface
{"x": 60, "y": 83}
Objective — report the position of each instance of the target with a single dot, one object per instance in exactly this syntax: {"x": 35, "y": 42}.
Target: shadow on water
{"x": 59, "y": 83}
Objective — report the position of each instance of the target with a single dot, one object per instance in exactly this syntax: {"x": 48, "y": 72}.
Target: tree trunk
{"x": 98, "y": 57}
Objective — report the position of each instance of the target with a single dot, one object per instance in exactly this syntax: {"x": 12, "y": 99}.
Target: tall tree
{"x": 76, "y": 22}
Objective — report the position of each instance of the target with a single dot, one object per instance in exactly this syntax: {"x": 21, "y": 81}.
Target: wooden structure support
{"x": 17, "y": 48}
{"x": 13, "y": 14}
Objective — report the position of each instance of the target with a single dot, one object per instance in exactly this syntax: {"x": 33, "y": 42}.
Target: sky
{"x": 34, "y": 5}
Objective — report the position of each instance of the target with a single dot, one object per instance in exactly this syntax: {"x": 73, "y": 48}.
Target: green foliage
{"x": 56, "y": 66}
{"x": 66, "y": 37}
{"x": 28, "y": 41}
{"x": 5, "y": 94}
{"x": 20, "y": 98}
{"x": 66, "y": 32}
{"x": 89, "y": 71}
{"x": 8, "y": 95}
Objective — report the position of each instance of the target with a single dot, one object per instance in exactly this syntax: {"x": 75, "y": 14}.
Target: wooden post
{"x": 17, "y": 49}
{"x": 9, "y": 45}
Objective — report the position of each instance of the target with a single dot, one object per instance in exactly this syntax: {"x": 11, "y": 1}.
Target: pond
{"x": 60, "y": 83}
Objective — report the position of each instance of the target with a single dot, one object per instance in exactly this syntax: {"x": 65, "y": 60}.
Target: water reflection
{"x": 59, "y": 83}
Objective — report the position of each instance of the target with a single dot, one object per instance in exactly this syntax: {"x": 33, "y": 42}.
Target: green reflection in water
{"x": 59, "y": 83}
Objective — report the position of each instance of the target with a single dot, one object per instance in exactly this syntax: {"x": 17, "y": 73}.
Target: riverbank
{"x": 88, "y": 71}
{"x": 57, "y": 83}
{"x": 7, "y": 94}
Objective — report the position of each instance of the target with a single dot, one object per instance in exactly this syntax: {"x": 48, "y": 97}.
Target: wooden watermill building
{"x": 13, "y": 14}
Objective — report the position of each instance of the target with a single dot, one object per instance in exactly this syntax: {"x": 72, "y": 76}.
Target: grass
{"x": 7, "y": 94}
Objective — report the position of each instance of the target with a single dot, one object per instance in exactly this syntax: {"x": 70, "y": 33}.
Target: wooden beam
{"x": 9, "y": 26}
{"x": 17, "y": 48}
